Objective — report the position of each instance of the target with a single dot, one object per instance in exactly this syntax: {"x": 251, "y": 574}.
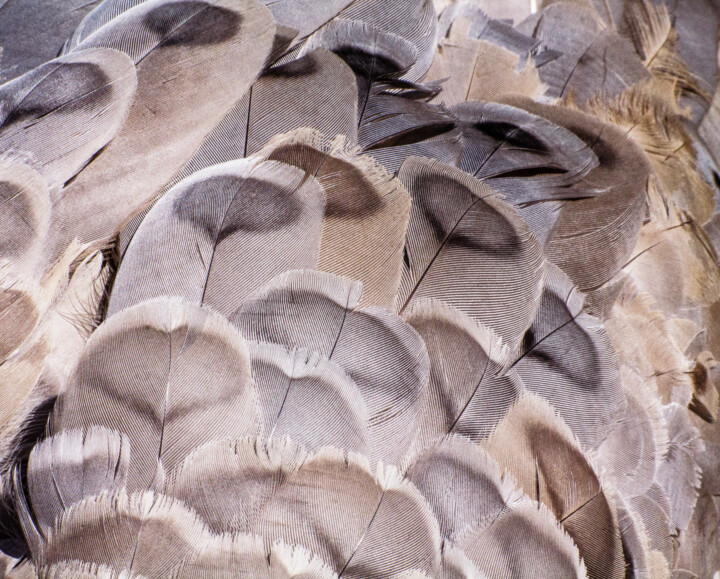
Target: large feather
{"x": 195, "y": 59}
{"x": 469, "y": 391}
{"x": 265, "y": 482}
{"x": 456, "y": 220}
{"x": 222, "y": 233}
{"x": 60, "y": 114}
{"x": 308, "y": 398}
{"x": 538, "y": 449}
{"x": 594, "y": 58}
{"x": 271, "y": 107}
{"x": 521, "y": 155}
{"x": 168, "y": 375}
{"x": 366, "y": 211}
{"x": 567, "y": 358}
{"x": 592, "y": 239}
{"x": 384, "y": 356}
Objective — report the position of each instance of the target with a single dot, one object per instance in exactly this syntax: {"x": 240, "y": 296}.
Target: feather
{"x": 457, "y": 220}
{"x": 567, "y": 358}
{"x": 635, "y": 446}
{"x": 594, "y": 238}
{"x": 33, "y": 31}
{"x": 539, "y": 450}
{"x": 521, "y": 155}
{"x": 478, "y": 70}
{"x": 385, "y": 357}
{"x": 481, "y": 493}
{"x": 24, "y": 216}
{"x": 469, "y": 392}
{"x": 309, "y": 398}
{"x": 636, "y": 544}
{"x": 705, "y": 381}
{"x": 143, "y": 533}
{"x": 21, "y": 308}
{"x": 271, "y": 107}
{"x": 653, "y": 508}
{"x": 232, "y": 227}
{"x": 679, "y": 474}
{"x": 394, "y": 119}
{"x": 246, "y": 557}
{"x": 196, "y": 385}
{"x": 82, "y": 570}
{"x": 194, "y": 50}
{"x": 335, "y": 487}
{"x": 524, "y": 541}
{"x": 645, "y": 115}
{"x": 60, "y": 114}
{"x": 366, "y": 213}
{"x": 71, "y": 466}
{"x": 594, "y": 58}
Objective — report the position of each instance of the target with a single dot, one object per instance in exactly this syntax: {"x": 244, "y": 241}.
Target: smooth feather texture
{"x": 366, "y": 211}
{"x": 469, "y": 390}
{"x": 59, "y": 115}
{"x": 567, "y": 351}
{"x": 539, "y": 450}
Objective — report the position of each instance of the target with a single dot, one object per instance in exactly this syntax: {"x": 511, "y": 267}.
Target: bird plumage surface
{"x": 392, "y": 289}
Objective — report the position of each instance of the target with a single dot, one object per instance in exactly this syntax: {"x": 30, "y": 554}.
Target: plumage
{"x": 399, "y": 289}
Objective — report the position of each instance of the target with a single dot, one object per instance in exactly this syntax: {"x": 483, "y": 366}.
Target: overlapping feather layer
{"x": 359, "y": 288}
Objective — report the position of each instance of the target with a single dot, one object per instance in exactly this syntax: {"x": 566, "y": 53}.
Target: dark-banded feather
{"x": 33, "y": 32}
{"x": 383, "y": 355}
{"x": 395, "y": 121}
{"x": 271, "y": 107}
{"x": 592, "y": 239}
{"x": 221, "y": 233}
{"x": 60, "y": 114}
{"x": 170, "y": 376}
{"x": 456, "y": 219}
{"x": 539, "y": 450}
{"x": 366, "y": 211}
{"x": 195, "y": 60}
{"x": 567, "y": 358}
{"x": 525, "y": 157}
{"x": 469, "y": 391}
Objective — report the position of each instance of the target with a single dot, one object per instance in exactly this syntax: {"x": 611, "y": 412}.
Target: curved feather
{"x": 74, "y": 465}
{"x": 197, "y": 58}
{"x": 308, "y": 398}
{"x": 60, "y": 114}
{"x": 455, "y": 220}
{"x": 469, "y": 391}
{"x": 539, "y": 450}
{"x": 366, "y": 212}
{"x": 221, "y": 233}
{"x": 384, "y": 356}
{"x": 169, "y": 375}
